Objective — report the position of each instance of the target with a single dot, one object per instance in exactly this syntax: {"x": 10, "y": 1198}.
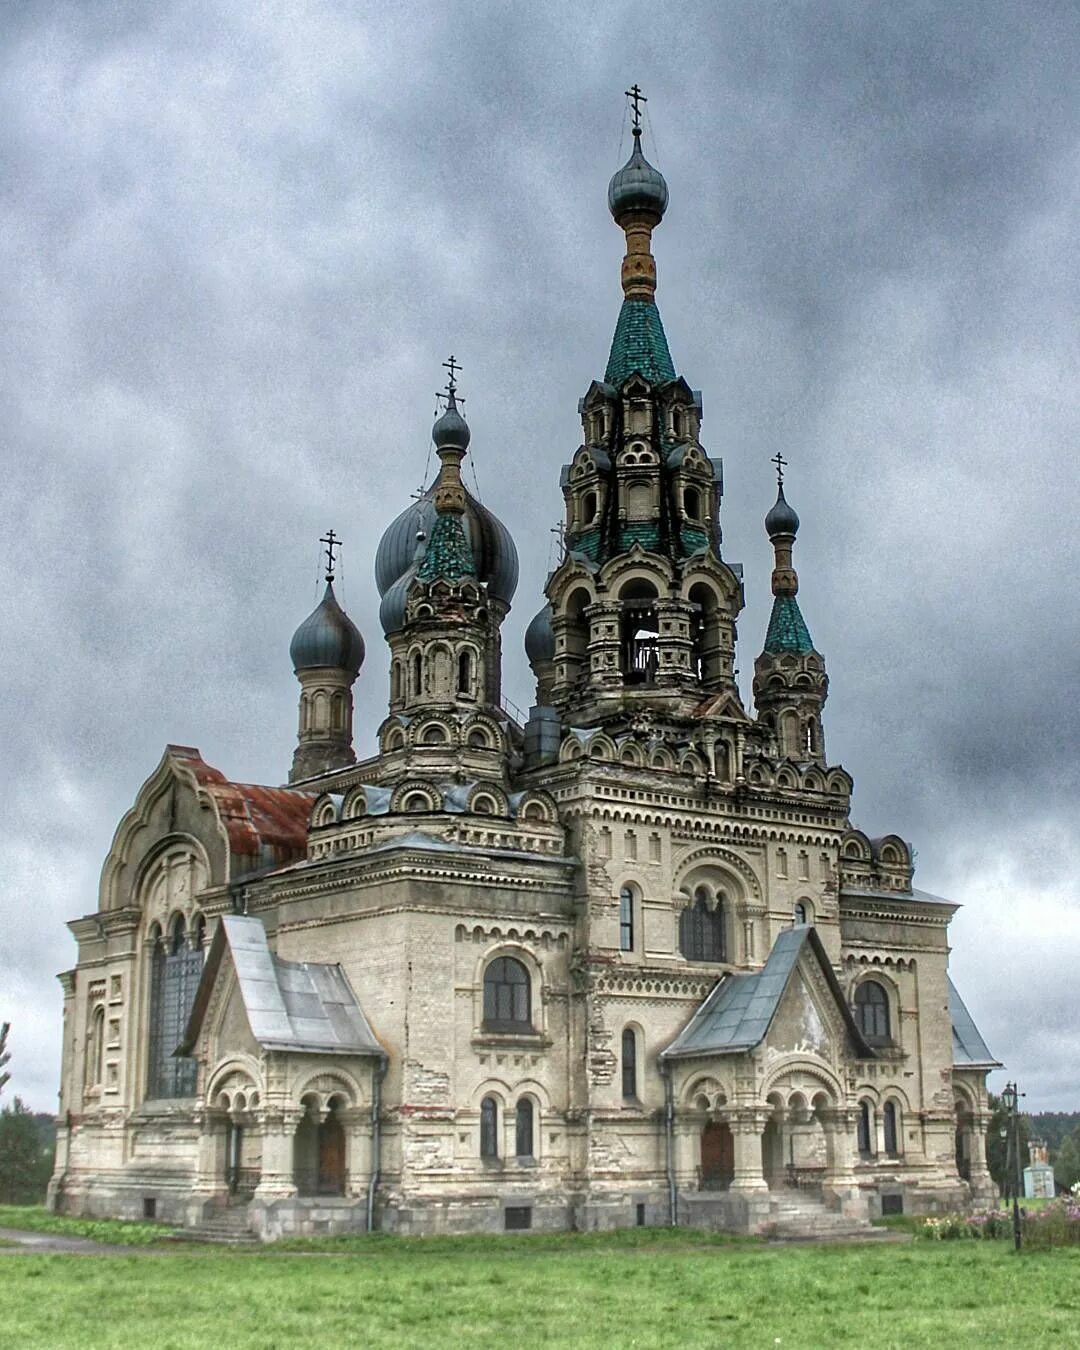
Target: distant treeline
{"x": 1053, "y": 1127}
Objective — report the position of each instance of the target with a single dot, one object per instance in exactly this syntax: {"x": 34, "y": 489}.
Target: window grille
{"x": 701, "y": 930}
{"x": 506, "y": 996}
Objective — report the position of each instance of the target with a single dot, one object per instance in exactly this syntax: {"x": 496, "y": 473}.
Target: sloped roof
{"x": 787, "y": 631}
{"x": 639, "y": 345}
{"x": 738, "y": 1012}
{"x": 255, "y": 818}
{"x": 969, "y": 1048}
{"x": 291, "y": 1005}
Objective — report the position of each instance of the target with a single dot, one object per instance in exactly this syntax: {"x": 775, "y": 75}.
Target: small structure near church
{"x": 1038, "y": 1175}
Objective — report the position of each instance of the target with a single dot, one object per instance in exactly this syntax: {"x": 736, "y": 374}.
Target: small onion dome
{"x": 327, "y": 637}
{"x": 492, "y": 547}
{"x": 637, "y": 186}
{"x": 782, "y": 519}
{"x": 540, "y": 638}
{"x": 451, "y": 431}
{"x": 392, "y": 606}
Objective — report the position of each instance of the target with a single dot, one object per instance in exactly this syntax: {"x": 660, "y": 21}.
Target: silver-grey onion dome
{"x": 451, "y": 429}
{"x": 540, "y": 638}
{"x": 392, "y": 605}
{"x": 782, "y": 519}
{"x": 637, "y": 186}
{"x": 327, "y": 637}
{"x": 492, "y": 547}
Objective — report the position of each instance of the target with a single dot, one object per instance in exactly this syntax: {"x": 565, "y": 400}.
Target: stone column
{"x": 840, "y": 1126}
{"x": 210, "y": 1161}
{"x": 278, "y": 1130}
{"x": 687, "y": 1157}
{"x": 746, "y": 1126}
{"x": 356, "y": 1122}
{"x": 983, "y": 1189}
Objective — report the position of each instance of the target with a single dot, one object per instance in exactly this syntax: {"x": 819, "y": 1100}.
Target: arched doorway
{"x": 332, "y": 1153}
{"x": 319, "y": 1149}
{"x": 717, "y": 1156}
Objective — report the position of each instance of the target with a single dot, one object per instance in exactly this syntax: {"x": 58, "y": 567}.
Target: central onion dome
{"x": 637, "y": 186}
{"x": 327, "y": 638}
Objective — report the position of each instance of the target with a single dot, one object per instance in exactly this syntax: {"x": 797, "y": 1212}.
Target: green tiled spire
{"x": 448, "y": 555}
{"x": 639, "y": 345}
{"x": 787, "y": 627}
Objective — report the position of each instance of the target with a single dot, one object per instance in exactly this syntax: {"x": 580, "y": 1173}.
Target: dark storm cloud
{"x": 237, "y": 242}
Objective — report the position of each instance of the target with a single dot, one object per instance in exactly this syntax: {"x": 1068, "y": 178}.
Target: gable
{"x": 807, "y": 1020}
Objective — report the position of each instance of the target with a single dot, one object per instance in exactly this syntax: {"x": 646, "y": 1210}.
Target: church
{"x": 627, "y": 961}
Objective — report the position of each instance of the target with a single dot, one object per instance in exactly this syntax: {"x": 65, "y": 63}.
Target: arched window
{"x": 640, "y": 633}
{"x": 175, "y": 968}
{"x": 701, "y": 929}
{"x": 692, "y": 503}
{"x": 864, "y": 1131}
{"x": 489, "y": 1128}
{"x": 892, "y": 1130}
{"x": 588, "y": 508}
{"x": 626, "y": 920}
{"x": 337, "y": 712}
{"x": 629, "y": 1064}
{"x": 799, "y": 915}
{"x": 465, "y": 675}
{"x": 506, "y": 996}
{"x": 871, "y": 1012}
{"x": 417, "y": 675}
{"x": 523, "y": 1128}
{"x": 95, "y": 1048}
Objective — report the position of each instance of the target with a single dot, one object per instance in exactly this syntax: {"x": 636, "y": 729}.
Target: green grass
{"x": 623, "y": 1289}
{"x": 115, "y": 1232}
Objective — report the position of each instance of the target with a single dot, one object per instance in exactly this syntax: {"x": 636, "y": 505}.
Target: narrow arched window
{"x": 523, "y": 1128}
{"x": 892, "y": 1131}
{"x": 506, "y": 996}
{"x": 871, "y": 1010}
{"x": 701, "y": 929}
{"x": 864, "y": 1130}
{"x": 489, "y": 1128}
{"x": 465, "y": 676}
{"x": 799, "y": 915}
{"x": 629, "y": 1064}
{"x": 95, "y": 1048}
{"x": 588, "y": 508}
{"x": 692, "y": 503}
{"x": 417, "y": 674}
{"x": 626, "y": 919}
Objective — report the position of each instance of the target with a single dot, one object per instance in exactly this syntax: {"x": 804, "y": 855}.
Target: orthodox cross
{"x": 332, "y": 543}
{"x": 637, "y": 98}
{"x": 781, "y": 464}
{"x": 559, "y": 531}
{"x": 453, "y": 367}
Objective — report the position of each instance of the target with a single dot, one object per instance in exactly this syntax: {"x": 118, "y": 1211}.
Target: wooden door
{"x": 717, "y": 1155}
{"x": 331, "y": 1157}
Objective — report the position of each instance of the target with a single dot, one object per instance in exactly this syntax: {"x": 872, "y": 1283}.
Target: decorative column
{"x": 982, "y": 1184}
{"x": 278, "y": 1132}
{"x": 210, "y": 1163}
{"x": 356, "y": 1122}
{"x": 839, "y": 1181}
{"x": 747, "y": 1125}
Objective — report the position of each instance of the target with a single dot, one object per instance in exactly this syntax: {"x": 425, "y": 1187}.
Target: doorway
{"x": 717, "y": 1156}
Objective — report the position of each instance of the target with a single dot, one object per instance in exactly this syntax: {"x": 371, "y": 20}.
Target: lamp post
{"x": 1013, "y": 1172}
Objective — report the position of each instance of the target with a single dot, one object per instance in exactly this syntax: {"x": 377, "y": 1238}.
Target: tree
{"x": 25, "y": 1161}
{"x": 5, "y": 1054}
{"x": 996, "y": 1150}
{"x": 1067, "y": 1161}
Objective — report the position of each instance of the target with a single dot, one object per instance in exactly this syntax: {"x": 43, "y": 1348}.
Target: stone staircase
{"x": 228, "y": 1226}
{"x": 798, "y": 1217}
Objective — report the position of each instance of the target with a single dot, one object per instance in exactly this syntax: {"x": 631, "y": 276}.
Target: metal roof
{"x": 969, "y": 1048}
{"x": 301, "y": 1006}
{"x": 738, "y": 1012}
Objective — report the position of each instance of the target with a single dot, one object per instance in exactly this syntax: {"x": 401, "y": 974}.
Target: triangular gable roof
{"x": 290, "y": 1005}
{"x": 969, "y": 1048}
{"x": 737, "y": 1014}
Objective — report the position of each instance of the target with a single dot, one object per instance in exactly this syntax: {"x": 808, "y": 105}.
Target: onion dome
{"x": 782, "y": 519}
{"x": 489, "y": 541}
{"x": 392, "y": 606}
{"x": 451, "y": 431}
{"x": 637, "y": 186}
{"x": 327, "y": 637}
{"x": 540, "y": 638}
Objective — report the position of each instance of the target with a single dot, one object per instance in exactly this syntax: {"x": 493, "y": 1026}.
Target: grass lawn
{"x": 643, "y": 1287}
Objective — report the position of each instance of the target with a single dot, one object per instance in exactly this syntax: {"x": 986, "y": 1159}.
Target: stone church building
{"x": 626, "y": 962}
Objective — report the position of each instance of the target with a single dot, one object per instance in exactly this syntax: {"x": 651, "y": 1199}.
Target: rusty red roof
{"x": 256, "y": 818}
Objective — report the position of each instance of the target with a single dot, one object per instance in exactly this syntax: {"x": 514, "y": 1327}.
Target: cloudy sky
{"x": 237, "y": 242}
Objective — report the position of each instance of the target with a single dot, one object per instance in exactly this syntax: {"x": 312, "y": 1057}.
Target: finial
{"x": 637, "y": 98}
{"x": 332, "y": 543}
{"x": 781, "y": 464}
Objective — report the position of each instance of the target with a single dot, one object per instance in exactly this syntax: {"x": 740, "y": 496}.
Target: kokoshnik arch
{"x": 629, "y": 962}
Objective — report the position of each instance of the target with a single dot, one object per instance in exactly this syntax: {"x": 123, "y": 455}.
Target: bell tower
{"x": 642, "y": 608}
